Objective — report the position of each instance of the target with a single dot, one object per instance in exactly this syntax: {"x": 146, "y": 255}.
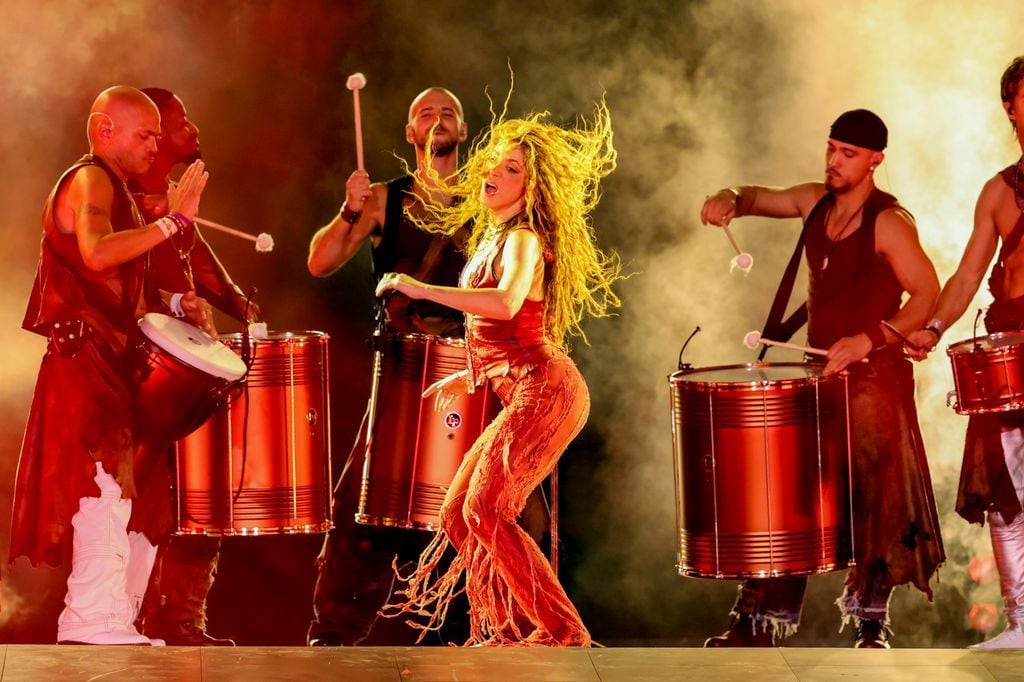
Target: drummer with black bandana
{"x": 992, "y": 478}
{"x": 83, "y": 450}
{"x": 863, "y": 255}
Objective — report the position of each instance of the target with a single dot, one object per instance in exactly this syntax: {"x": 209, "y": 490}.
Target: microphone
{"x": 685, "y": 365}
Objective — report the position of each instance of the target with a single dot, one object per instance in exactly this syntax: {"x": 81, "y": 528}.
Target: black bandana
{"x": 862, "y": 128}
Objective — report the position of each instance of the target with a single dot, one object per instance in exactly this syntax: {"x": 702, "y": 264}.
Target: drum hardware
{"x": 750, "y": 441}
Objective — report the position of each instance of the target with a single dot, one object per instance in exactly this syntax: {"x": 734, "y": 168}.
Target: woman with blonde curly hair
{"x": 533, "y": 272}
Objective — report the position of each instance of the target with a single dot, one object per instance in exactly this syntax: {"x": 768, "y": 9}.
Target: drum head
{"x": 193, "y": 346}
{"x": 992, "y": 342}
{"x": 753, "y": 373}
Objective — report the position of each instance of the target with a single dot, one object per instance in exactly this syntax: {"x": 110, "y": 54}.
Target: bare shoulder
{"x": 895, "y": 229}
{"x": 377, "y": 203}
{"x": 994, "y": 193}
{"x": 87, "y": 185}
{"x": 806, "y": 195}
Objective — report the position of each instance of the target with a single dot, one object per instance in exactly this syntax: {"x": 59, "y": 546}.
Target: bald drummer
{"x": 82, "y": 451}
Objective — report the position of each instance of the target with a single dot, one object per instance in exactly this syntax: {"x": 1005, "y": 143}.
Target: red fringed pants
{"x": 514, "y": 596}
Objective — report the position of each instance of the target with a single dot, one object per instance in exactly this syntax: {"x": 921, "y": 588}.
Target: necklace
{"x": 831, "y": 242}
{"x": 1017, "y": 194}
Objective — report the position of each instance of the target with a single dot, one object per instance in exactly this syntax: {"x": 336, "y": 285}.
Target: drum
{"x": 762, "y": 470}
{"x": 179, "y": 376}
{"x": 988, "y": 373}
{"x": 261, "y": 464}
{"x": 413, "y": 451}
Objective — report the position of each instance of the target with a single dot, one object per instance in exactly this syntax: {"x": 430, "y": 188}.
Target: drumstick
{"x": 264, "y": 242}
{"x": 355, "y": 83}
{"x": 899, "y": 334}
{"x": 753, "y": 339}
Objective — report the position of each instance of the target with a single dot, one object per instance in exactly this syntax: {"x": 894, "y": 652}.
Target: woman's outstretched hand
{"x": 447, "y": 390}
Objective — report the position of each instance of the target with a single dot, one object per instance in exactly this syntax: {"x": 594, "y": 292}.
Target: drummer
{"x": 992, "y": 478}
{"x": 863, "y": 254}
{"x": 355, "y": 564}
{"x": 76, "y": 476}
{"x": 175, "y": 603}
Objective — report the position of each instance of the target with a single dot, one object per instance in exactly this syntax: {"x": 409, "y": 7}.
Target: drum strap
{"x": 774, "y": 327}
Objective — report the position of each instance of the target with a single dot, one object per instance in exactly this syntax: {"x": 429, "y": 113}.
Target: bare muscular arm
{"x": 896, "y": 241}
{"x": 963, "y": 285}
{"x": 338, "y": 241}
{"x": 769, "y": 202}
{"x": 84, "y": 208}
{"x": 519, "y": 261}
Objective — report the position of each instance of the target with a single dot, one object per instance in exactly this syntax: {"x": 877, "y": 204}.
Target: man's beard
{"x": 443, "y": 147}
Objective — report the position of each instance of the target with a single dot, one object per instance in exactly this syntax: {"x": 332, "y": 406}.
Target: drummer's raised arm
{"x": 768, "y": 202}
{"x": 361, "y": 216}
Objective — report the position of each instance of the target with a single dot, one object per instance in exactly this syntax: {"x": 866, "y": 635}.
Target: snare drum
{"x": 261, "y": 464}
{"x": 988, "y": 373}
{"x": 762, "y": 470}
{"x": 180, "y": 374}
{"x": 413, "y": 451}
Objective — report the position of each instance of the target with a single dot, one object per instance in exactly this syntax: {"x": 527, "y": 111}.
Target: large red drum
{"x": 762, "y": 470}
{"x": 413, "y": 451}
{"x": 988, "y": 373}
{"x": 261, "y": 464}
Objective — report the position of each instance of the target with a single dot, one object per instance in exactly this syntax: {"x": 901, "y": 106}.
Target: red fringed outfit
{"x": 514, "y": 596}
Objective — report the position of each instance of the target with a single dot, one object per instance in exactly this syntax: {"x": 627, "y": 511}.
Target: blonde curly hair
{"x": 563, "y": 166}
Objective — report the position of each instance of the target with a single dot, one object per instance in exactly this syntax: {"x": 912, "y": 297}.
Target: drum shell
{"x": 261, "y": 464}
{"x": 988, "y": 379}
{"x": 762, "y": 476}
{"x": 414, "y": 451}
{"x": 172, "y": 398}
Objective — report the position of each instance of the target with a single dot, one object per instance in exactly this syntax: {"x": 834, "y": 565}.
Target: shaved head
{"x": 431, "y": 93}
{"x": 123, "y": 128}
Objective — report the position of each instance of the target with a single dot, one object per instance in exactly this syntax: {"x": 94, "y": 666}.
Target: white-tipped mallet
{"x": 753, "y": 340}
{"x": 355, "y": 83}
{"x": 264, "y": 242}
{"x": 743, "y": 261}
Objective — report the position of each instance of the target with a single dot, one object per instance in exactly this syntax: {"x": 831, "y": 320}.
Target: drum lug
{"x": 951, "y": 399}
{"x": 312, "y": 417}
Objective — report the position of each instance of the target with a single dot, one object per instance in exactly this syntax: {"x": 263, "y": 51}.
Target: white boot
{"x": 1008, "y": 548}
{"x": 97, "y": 609}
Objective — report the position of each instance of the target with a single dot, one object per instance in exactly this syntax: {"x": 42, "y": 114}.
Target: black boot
{"x": 872, "y": 634}
{"x": 743, "y": 631}
{"x": 184, "y": 633}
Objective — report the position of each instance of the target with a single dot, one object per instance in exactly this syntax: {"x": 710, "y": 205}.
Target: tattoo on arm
{"x": 88, "y": 209}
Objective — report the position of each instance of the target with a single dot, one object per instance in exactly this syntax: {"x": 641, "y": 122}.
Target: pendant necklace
{"x": 839, "y": 235}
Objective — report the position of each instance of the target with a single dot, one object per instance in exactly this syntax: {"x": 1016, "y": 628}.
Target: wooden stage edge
{"x": 407, "y": 664}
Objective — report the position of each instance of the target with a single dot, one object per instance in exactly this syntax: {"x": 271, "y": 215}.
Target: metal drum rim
{"x": 294, "y": 337}
{"x": 425, "y": 339}
{"x": 952, "y": 349}
{"x": 676, "y": 378}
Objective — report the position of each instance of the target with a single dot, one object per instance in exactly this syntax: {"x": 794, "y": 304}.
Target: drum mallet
{"x": 264, "y": 242}
{"x": 355, "y": 83}
{"x": 753, "y": 340}
{"x": 743, "y": 261}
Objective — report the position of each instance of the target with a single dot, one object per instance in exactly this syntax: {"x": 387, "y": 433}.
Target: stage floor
{"x": 404, "y": 664}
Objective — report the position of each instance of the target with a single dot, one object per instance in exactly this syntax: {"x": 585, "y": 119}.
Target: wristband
{"x": 175, "y": 305}
{"x": 167, "y": 226}
{"x": 349, "y": 216}
{"x": 936, "y": 326}
{"x": 180, "y": 220}
{"x": 877, "y": 337}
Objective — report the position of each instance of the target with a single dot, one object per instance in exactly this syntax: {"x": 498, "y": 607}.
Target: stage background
{"x": 702, "y": 94}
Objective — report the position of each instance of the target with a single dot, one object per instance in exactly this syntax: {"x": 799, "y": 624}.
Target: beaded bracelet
{"x": 167, "y": 226}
